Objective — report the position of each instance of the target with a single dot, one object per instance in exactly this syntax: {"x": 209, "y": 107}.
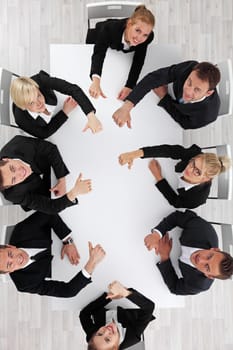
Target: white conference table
{"x": 124, "y": 205}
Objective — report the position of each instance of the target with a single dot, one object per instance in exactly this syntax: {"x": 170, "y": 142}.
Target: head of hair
{"x": 22, "y": 91}
{"x": 226, "y": 267}
{"x": 209, "y": 72}
{"x": 2, "y": 246}
{"x": 91, "y": 345}
{"x": 215, "y": 164}
{"x": 2, "y": 162}
{"x": 143, "y": 14}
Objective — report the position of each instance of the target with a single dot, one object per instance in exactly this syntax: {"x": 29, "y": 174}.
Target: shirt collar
{"x": 46, "y": 118}
{"x": 186, "y": 253}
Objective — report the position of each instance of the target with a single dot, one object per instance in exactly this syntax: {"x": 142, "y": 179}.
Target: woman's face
{"x": 37, "y": 102}
{"x": 136, "y": 33}
{"x": 195, "y": 171}
{"x": 106, "y": 337}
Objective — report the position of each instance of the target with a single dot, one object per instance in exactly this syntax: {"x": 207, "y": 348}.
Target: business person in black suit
{"x": 196, "y": 171}
{"x": 116, "y": 329}
{"x": 35, "y": 101}
{"x": 196, "y": 102}
{"x": 28, "y": 257}
{"x": 25, "y": 165}
{"x": 201, "y": 260}
{"x": 132, "y": 34}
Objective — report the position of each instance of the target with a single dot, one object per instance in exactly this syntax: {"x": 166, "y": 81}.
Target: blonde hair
{"x": 22, "y": 91}
{"x": 214, "y": 164}
{"x": 143, "y": 14}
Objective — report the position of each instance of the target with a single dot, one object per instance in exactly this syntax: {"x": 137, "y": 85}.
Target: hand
{"x": 95, "y": 89}
{"x": 60, "y": 188}
{"x": 165, "y": 247}
{"x": 69, "y": 105}
{"x": 93, "y": 123}
{"x": 155, "y": 168}
{"x": 128, "y": 158}
{"x": 96, "y": 255}
{"x": 117, "y": 291}
{"x": 161, "y": 91}
{"x": 80, "y": 187}
{"x": 152, "y": 241}
{"x": 124, "y": 93}
{"x": 122, "y": 115}
{"x": 72, "y": 253}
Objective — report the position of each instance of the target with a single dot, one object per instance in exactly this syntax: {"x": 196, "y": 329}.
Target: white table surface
{"x": 124, "y": 205}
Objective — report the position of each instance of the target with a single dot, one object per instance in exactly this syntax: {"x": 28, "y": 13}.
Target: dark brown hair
{"x": 2, "y": 162}
{"x": 208, "y": 72}
{"x": 226, "y": 267}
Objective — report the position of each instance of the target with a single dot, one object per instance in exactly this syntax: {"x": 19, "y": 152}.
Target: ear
{"x": 210, "y": 92}
{"x": 205, "y": 179}
{"x": 10, "y": 246}
{"x": 129, "y": 22}
{"x": 215, "y": 249}
{"x": 5, "y": 159}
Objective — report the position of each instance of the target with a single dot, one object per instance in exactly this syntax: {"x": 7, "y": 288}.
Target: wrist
{"x": 69, "y": 240}
{"x": 96, "y": 80}
{"x": 71, "y": 195}
{"x": 128, "y": 105}
{"x": 91, "y": 115}
{"x": 138, "y": 154}
{"x": 164, "y": 257}
{"x": 90, "y": 266}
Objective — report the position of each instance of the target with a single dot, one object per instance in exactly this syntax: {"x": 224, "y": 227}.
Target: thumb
{"x": 62, "y": 253}
{"x": 80, "y": 177}
{"x": 102, "y": 94}
{"x": 129, "y": 124}
{"x": 86, "y": 127}
{"x": 90, "y": 247}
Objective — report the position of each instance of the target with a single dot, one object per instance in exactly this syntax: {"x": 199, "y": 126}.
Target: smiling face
{"x": 36, "y": 103}
{"x": 13, "y": 172}
{"x": 137, "y": 32}
{"x": 194, "y": 88}
{"x": 106, "y": 337}
{"x": 208, "y": 261}
{"x": 12, "y": 259}
{"x": 195, "y": 171}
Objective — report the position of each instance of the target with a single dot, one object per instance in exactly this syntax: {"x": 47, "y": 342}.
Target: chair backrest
{"x": 110, "y": 9}
{"x": 4, "y": 201}
{"x": 6, "y": 116}
{"x": 138, "y": 346}
{"x": 225, "y": 88}
{"x": 224, "y": 180}
{"x": 5, "y": 237}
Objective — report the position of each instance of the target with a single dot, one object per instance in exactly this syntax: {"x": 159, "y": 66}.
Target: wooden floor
{"x": 204, "y": 30}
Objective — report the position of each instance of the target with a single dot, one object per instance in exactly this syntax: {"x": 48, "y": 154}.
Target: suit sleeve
{"x": 178, "y": 286}
{"x": 143, "y": 316}
{"x": 86, "y": 314}
{"x": 138, "y": 61}
{"x": 32, "y": 127}
{"x": 177, "y": 218}
{"x": 66, "y": 88}
{"x": 162, "y": 76}
{"x": 58, "y": 288}
{"x": 171, "y": 151}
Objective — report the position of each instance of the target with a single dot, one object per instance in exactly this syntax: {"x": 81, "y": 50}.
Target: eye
{"x": 207, "y": 268}
{"x": 197, "y": 90}
{"x": 99, "y": 334}
{"x": 138, "y": 30}
{"x": 107, "y": 340}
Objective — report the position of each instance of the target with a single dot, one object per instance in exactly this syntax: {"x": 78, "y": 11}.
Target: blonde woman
{"x": 127, "y": 35}
{"x": 195, "y": 172}
{"x": 34, "y": 102}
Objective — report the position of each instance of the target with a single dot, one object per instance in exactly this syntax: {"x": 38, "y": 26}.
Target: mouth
{"x": 20, "y": 259}
{"x": 110, "y": 327}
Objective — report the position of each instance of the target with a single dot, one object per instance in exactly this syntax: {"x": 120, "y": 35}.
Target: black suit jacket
{"x": 197, "y": 233}
{"x": 35, "y": 232}
{"x": 93, "y": 317}
{"x": 109, "y": 34}
{"x": 188, "y": 115}
{"x": 33, "y": 192}
{"x": 39, "y": 128}
{"x": 191, "y": 198}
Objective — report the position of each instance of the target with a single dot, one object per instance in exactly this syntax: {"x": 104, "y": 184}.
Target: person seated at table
{"x": 196, "y": 102}
{"x": 25, "y": 166}
{"x": 195, "y": 172}
{"x": 28, "y": 257}
{"x": 116, "y": 328}
{"x": 201, "y": 260}
{"x": 132, "y": 34}
{"x": 34, "y": 102}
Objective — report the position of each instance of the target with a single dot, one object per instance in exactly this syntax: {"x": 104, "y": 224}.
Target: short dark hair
{"x": 226, "y": 267}
{"x": 207, "y": 71}
{"x": 3, "y": 246}
{"x": 2, "y": 162}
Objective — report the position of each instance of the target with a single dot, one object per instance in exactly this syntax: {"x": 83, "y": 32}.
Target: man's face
{"x": 14, "y": 171}
{"x": 195, "y": 171}
{"x": 37, "y": 103}
{"x": 138, "y": 32}
{"x": 106, "y": 337}
{"x": 207, "y": 261}
{"x": 194, "y": 88}
{"x": 12, "y": 259}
